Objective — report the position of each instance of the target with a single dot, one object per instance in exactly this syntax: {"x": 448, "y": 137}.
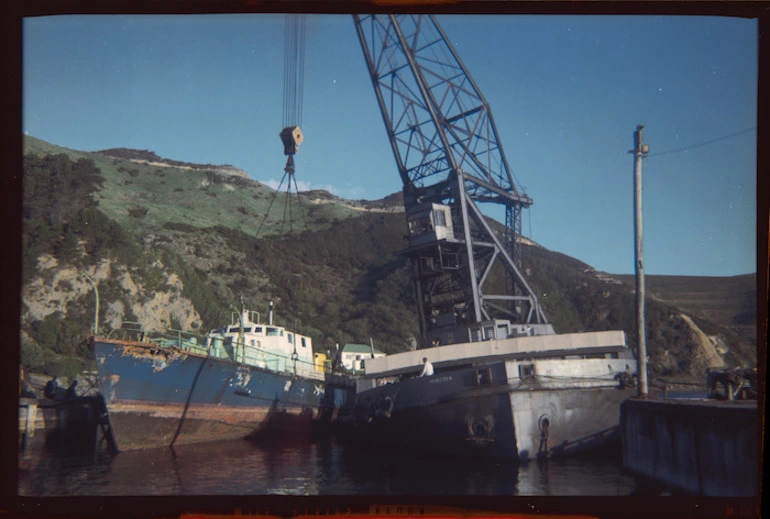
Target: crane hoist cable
{"x": 291, "y": 134}
{"x": 293, "y": 85}
{"x": 294, "y": 69}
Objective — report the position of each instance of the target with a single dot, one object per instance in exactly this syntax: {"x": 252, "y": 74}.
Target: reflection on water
{"x": 323, "y": 468}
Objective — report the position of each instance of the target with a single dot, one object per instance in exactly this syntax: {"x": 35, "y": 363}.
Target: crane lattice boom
{"x": 450, "y": 160}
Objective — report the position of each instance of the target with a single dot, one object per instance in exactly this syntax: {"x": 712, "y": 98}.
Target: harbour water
{"x": 323, "y": 468}
{"x": 306, "y": 481}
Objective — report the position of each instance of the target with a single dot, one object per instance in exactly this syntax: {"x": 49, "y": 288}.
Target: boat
{"x": 245, "y": 380}
{"x": 509, "y": 392}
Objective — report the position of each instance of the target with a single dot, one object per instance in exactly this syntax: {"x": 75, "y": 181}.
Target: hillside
{"x": 173, "y": 245}
{"x": 729, "y": 300}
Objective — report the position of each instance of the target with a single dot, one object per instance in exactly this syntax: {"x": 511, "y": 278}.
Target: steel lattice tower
{"x": 448, "y": 154}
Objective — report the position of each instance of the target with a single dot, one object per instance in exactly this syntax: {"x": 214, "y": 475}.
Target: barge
{"x": 503, "y": 394}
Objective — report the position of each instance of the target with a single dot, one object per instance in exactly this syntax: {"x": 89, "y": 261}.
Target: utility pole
{"x": 639, "y": 151}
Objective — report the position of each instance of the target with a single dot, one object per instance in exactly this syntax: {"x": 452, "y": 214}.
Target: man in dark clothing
{"x": 71, "y": 393}
{"x": 51, "y": 387}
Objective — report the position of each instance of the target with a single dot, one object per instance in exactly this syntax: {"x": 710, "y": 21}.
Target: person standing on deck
{"x": 51, "y": 388}
{"x": 427, "y": 369}
{"x": 71, "y": 391}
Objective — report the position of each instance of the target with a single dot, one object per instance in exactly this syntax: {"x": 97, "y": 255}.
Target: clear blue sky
{"x": 566, "y": 93}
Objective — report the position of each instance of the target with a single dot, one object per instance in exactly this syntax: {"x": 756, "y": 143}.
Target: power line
{"x": 705, "y": 143}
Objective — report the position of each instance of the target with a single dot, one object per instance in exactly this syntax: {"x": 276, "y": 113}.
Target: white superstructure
{"x": 265, "y": 345}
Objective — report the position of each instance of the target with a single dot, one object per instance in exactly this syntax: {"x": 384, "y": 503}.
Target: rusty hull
{"x": 157, "y": 397}
{"x": 145, "y": 425}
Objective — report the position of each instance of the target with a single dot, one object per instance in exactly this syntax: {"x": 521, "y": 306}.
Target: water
{"x": 323, "y": 468}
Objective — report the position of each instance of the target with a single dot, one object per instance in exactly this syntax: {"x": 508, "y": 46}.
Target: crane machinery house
{"x": 429, "y": 223}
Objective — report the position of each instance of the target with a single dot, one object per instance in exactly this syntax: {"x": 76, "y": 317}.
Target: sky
{"x": 566, "y": 94}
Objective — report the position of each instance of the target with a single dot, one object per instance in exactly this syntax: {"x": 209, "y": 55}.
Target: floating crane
{"x": 496, "y": 392}
{"x": 450, "y": 160}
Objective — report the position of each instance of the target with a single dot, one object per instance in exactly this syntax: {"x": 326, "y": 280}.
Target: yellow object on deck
{"x": 319, "y": 361}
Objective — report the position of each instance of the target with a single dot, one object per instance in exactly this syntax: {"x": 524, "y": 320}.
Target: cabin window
{"x": 450, "y": 260}
{"x": 420, "y": 225}
{"x": 483, "y": 376}
{"x": 291, "y": 338}
{"x": 439, "y": 219}
{"x": 253, "y": 343}
{"x": 258, "y": 329}
{"x": 272, "y": 332}
{"x": 237, "y": 329}
{"x": 304, "y": 343}
{"x": 489, "y": 333}
{"x": 526, "y": 370}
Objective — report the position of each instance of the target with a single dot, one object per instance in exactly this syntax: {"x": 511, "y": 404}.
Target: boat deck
{"x": 557, "y": 345}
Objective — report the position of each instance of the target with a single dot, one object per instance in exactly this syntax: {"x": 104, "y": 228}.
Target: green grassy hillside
{"x": 173, "y": 245}
{"x": 146, "y": 197}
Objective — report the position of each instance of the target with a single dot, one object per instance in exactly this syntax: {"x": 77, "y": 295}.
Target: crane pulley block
{"x": 292, "y": 137}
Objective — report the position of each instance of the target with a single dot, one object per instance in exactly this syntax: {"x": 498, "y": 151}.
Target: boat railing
{"x": 191, "y": 342}
{"x": 185, "y": 340}
{"x": 129, "y": 330}
{"x": 277, "y": 362}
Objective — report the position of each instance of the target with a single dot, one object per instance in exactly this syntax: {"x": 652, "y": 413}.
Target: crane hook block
{"x": 292, "y": 137}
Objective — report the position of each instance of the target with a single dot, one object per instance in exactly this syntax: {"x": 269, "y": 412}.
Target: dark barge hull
{"x": 452, "y": 414}
{"x": 158, "y": 397}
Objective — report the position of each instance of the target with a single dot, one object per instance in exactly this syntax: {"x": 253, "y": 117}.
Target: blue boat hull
{"x": 158, "y": 397}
